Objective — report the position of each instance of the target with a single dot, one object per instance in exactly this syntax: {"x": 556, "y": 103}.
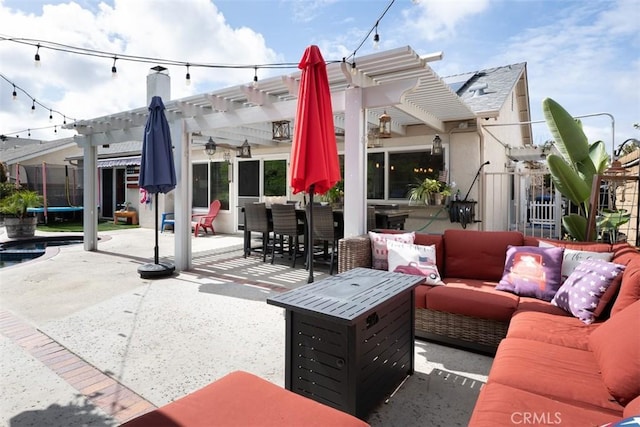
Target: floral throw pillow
{"x": 414, "y": 259}
{"x": 531, "y": 271}
{"x": 379, "y": 252}
{"x": 581, "y": 292}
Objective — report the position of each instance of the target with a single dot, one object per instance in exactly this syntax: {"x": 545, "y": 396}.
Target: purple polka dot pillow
{"x": 581, "y": 292}
{"x": 531, "y": 271}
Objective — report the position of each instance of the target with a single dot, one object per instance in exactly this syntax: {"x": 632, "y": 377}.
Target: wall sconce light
{"x": 210, "y": 147}
{"x": 384, "y": 122}
{"x": 281, "y": 130}
{"x": 227, "y": 158}
{"x": 245, "y": 150}
{"x": 436, "y": 148}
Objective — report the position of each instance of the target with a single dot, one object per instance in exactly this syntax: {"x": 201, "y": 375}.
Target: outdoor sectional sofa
{"x": 550, "y": 367}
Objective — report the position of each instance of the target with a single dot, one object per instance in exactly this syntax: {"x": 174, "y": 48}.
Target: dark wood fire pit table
{"x": 350, "y": 337}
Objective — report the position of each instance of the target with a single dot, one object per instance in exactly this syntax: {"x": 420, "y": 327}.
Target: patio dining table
{"x": 385, "y": 218}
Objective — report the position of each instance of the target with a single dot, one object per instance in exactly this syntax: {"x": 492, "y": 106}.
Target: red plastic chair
{"x": 205, "y": 221}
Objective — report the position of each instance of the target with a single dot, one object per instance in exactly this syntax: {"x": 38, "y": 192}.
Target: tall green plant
{"x": 572, "y": 171}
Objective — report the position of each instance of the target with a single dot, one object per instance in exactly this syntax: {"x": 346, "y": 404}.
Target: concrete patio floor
{"x": 85, "y": 341}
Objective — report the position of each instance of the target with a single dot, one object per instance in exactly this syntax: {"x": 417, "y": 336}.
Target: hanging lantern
{"x": 210, "y": 147}
{"x": 384, "y": 125}
{"x": 281, "y": 130}
{"x": 245, "y": 150}
{"x": 436, "y": 148}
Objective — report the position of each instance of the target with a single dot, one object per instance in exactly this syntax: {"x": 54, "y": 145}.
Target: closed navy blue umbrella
{"x": 157, "y": 173}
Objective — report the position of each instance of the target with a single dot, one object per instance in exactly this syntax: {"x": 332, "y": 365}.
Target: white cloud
{"x": 437, "y": 19}
{"x": 82, "y": 87}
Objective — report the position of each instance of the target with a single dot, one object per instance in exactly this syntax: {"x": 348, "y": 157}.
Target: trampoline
{"x": 55, "y": 211}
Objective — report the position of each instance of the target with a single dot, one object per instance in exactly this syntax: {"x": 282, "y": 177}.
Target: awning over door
{"x": 119, "y": 161}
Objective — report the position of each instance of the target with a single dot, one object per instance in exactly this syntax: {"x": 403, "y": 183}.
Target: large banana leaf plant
{"x": 573, "y": 169}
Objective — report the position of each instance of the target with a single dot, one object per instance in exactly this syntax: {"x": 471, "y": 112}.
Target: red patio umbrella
{"x": 314, "y": 154}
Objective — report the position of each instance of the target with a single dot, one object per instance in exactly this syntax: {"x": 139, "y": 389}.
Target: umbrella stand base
{"x": 153, "y": 271}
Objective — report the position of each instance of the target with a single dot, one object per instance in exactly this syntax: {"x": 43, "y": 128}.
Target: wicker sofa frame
{"x": 469, "y": 332}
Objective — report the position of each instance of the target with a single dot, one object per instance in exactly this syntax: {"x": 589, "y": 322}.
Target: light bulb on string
{"x": 55, "y": 129}
{"x": 114, "y": 70}
{"x": 376, "y": 39}
{"x": 354, "y": 71}
{"x": 33, "y": 106}
{"x": 29, "y": 133}
{"x": 37, "y": 56}
{"x": 64, "y": 120}
{"x": 50, "y": 115}
{"x": 255, "y": 77}
{"x": 187, "y": 78}
{"x": 15, "y": 94}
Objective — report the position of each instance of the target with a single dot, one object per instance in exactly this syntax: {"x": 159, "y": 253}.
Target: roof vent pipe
{"x": 479, "y": 89}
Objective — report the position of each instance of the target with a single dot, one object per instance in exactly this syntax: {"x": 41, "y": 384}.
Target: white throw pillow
{"x": 379, "y": 246}
{"x": 414, "y": 259}
{"x": 572, "y": 258}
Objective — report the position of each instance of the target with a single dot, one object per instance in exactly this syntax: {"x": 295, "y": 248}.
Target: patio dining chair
{"x": 204, "y": 222}
{"x": 324, "y": 231}
{"x": 286, "y": 225}
{"x": 256, "y": 220}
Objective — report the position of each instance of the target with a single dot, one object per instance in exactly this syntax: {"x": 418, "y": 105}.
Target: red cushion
{"x": 501, "y": 405}
{"x": 632, "y": 408}
{"x": 616, "y": 347}
{"x": 477, "y": 254}
{"x": 629, "y": 287}
{"x": 579, "y": 246}
{"x": 243, "y": 399}
{"x": 566, "y": 331}
{"x": 475, "y": 298}
{"x": 421, "y": 295}
{"x": 560, "y": 373}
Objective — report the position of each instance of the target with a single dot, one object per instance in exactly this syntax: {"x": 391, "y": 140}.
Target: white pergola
{"x": 397, "y": 81}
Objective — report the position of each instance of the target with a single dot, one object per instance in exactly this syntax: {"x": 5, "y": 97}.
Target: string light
{"x": 55, "y": 129}
{"x": 102, "y": 54}
{"x": 37, "y": 57}
{"x": 376, "y": 39}
{"x": 373, "y": 28}
{"x": 17, "y": 88}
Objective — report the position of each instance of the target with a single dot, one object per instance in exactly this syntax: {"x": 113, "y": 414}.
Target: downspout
{"x": 482, "y": 193}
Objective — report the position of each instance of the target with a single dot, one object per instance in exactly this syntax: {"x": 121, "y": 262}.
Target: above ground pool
{"x": 17, "y": 251}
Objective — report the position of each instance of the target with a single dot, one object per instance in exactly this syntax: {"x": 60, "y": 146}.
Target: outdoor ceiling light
{"x": 436, "y": 148}
{"x": 281, "y": 130}
{"x": 245, "y": 150}
{"x": 384, "y": 122}
{"x": 210, "y": 147}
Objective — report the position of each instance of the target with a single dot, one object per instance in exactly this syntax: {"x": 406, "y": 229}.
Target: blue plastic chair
{"x": 167, "y": 219}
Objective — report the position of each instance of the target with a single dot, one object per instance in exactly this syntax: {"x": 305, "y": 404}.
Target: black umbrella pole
{"x": 310, "y": 233}
{"x": 156, "y": 255}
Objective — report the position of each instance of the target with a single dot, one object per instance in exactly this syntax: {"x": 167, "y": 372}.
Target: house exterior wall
{"x": 497, "y": 194}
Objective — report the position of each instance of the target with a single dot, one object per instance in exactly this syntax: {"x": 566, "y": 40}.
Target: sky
{"x": 584, "y": 54}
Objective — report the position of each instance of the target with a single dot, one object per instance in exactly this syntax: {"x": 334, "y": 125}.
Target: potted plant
{"x": 609, "y": 222}
{"x": 18, "y": 222}
{"x": 423, "y": 190}
{"x": 336, "y": 193}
